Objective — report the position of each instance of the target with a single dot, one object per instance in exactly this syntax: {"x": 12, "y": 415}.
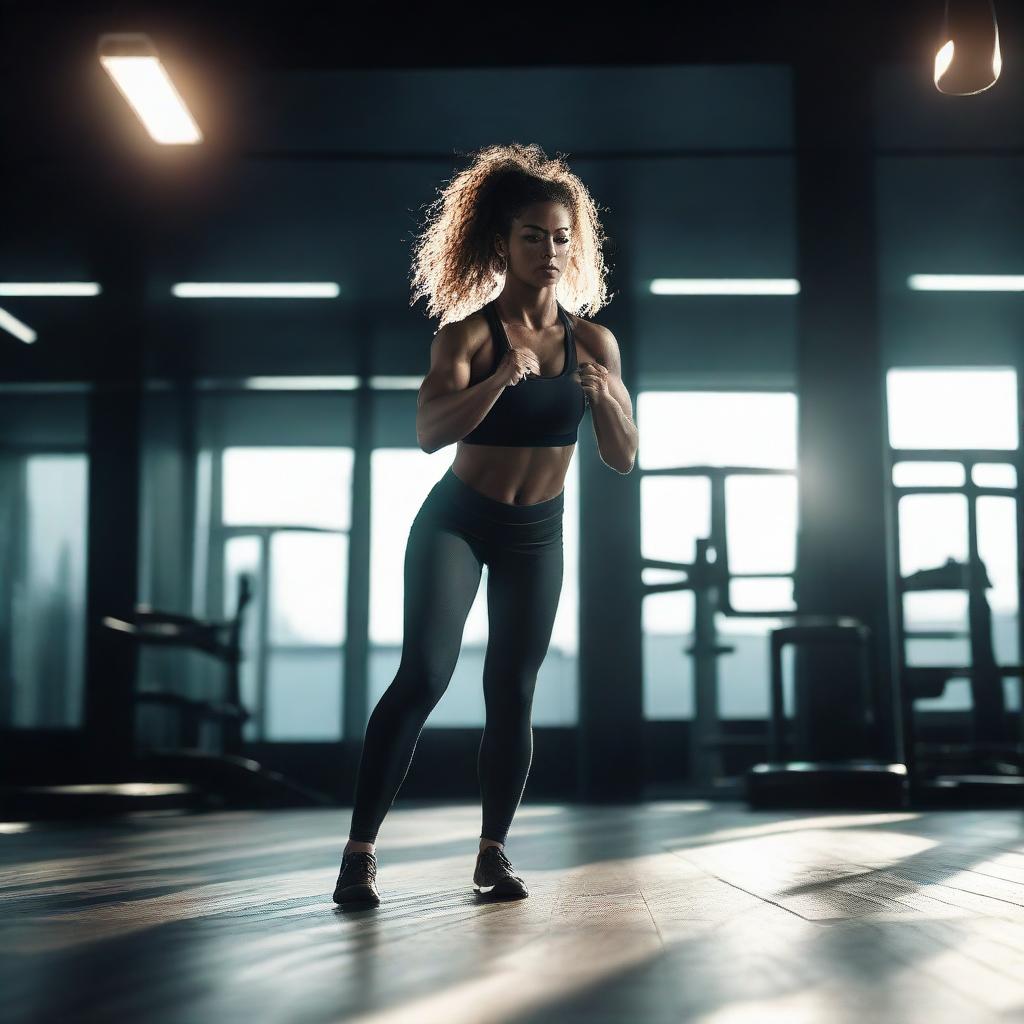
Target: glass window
{"x": 997, "y": 549}
{"x": 293, "y": 486}
{"x": 928, "y": 474}
{"x": 952, "y": 408}
{"x": 717, "y": 428}
{"x": 760, "y": 524}
{"x": 676, "y": 512}
{"x": 304, "y": 689}
{"x": 680, "y": 429}
{"x": 286, "y": 515}
{"x": 44, "y": 506}
{"x": 667, "y": 621}
{"x": 977, "y": 408}
{"x": 994, "y": 474}
{"x": 933, "y": 529}
{"x": 307, "y": 605}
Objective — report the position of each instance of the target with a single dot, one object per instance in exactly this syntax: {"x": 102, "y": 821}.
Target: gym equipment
{"x": 225, "y": 776}
{"x": 988, "y": 767}
{"x": 876, "y": 779}
{"x": 221, "y": 640}
{"x": 708, "y": 578}
{"x": 848, "y": 782}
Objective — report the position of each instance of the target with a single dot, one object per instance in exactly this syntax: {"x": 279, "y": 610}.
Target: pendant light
{"x": 968, "y": 60}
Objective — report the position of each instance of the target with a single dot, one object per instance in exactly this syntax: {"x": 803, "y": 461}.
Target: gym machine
{"x": 986, "y": 767}
{"x": 878, "y": 779}
{"x": 224, "y": 776}
{"x": 950, "y": 765}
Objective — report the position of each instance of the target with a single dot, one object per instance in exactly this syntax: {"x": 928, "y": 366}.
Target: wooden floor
{"x": 671, "y": 911}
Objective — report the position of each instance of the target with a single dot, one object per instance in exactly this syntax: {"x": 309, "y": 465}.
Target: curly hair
{"x": 454, "y": 263}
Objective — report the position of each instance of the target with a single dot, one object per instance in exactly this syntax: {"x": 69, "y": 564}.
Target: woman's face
{"x": 540, "y": 237}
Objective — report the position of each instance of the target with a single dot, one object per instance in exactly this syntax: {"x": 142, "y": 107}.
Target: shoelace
{"x": 368, "y": 859}
{"x": 503, "y": 860}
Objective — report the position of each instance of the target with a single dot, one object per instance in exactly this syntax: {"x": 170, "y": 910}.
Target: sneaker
{"x": 495, "y": 876}
{"x": 357, "y": 880}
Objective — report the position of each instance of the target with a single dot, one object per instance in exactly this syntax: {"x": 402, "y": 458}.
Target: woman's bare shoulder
{"x": 589, "y": 334}
{"x": 469, "y": 333}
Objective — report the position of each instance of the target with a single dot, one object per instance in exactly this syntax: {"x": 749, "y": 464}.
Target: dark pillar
{"x": 610, "y": 665}
{"x": 841, "y": 546}
{"x": 115, "y": 430}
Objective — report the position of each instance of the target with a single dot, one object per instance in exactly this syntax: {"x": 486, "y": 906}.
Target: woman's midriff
{"x": 516, "y": 476}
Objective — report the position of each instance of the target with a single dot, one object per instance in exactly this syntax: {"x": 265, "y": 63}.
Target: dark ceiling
{"x": 52, "y": 93}
{"x": 329, "y": 127}
{"x": 335, "y": 35}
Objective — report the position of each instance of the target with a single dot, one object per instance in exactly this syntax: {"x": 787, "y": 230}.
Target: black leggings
{"x": 456, "y": 531}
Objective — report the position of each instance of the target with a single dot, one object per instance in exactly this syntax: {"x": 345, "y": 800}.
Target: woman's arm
{"x": 447, "y": 408}
{"x": 610, "y": 405}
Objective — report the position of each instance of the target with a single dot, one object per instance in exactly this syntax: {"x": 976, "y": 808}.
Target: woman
{"x": 508, "y": 383}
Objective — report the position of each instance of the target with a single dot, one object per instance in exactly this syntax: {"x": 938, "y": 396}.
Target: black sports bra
{"x": 541, "y": 412}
